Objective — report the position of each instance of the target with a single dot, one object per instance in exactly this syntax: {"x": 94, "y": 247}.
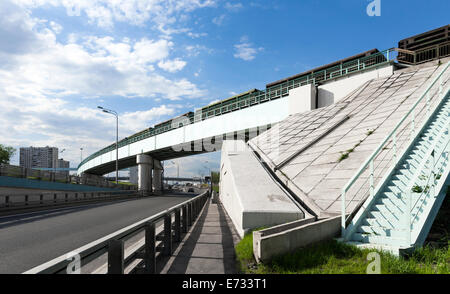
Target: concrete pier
{"x": 145, "y": 165}
{"x": 157, "y": 177}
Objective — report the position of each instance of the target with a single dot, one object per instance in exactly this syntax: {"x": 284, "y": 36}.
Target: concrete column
{"x": 145, "y": 165}
{"x": 157, "y": 177}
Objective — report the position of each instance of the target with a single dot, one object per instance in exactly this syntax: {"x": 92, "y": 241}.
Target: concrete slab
{"x": 248, "y": 192}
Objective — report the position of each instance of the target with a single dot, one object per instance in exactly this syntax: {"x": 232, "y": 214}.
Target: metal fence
{"x": 32, "y": 200}
{"x": 144, "y": 255}
{"x": 84, "y": 179}
{"x": 423, "y": 55}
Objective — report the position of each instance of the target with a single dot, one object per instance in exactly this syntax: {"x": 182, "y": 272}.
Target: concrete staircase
{"x": 401, "y": 212}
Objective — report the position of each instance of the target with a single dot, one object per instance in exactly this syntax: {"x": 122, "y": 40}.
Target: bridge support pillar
{"x": 145, "y": 165}
{"x": 157, "y": 177}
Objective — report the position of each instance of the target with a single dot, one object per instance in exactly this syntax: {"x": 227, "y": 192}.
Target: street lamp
{"x": 117, "y": 138}
{"x": 178, "y": 168}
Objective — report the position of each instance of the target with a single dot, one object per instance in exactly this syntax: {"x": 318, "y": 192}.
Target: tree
{"x": 215, "y": 177}
{"x": 6, "y": 152}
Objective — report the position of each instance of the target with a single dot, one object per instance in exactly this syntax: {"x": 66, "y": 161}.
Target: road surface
{"x": 28, "y": 240}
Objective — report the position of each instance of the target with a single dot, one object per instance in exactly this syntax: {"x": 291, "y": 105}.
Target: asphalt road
{"x": 30, "y": 239}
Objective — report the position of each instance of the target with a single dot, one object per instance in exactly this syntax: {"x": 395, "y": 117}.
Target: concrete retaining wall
{"x": 251, "y": 198}
{"x": 333, "y": 91}
{"x": 289, "y": 237}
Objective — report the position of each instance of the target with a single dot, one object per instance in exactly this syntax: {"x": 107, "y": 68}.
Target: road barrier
{"x": 60, "y": 177}
{"x": 10, "y": 203}
{"x": 142, "y": 259}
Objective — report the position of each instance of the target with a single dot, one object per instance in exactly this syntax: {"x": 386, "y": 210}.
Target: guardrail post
{"x": 167, "y": 234}
{"x": 185, "y": 219}
{"x": 54, "y": 197}
{"x": 66, "y": 197}
{"x": 116, "y": 257}
{"x": 7, "y": 201}
{"x": 26, "y": 199}
{"x": 177, "y": 226}
{"x": 150, "y": 248}
{"x": 190, "y": 216}
{"x": 41, "y": 199}
{"x": 371, "y": 179}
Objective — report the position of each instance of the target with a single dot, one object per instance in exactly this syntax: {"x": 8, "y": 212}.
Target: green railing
{"x": 255, "y": 97}
{"x": 369, "y": 178}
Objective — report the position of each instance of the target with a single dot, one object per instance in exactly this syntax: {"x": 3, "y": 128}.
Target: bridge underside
{"x": 173, "y": 152}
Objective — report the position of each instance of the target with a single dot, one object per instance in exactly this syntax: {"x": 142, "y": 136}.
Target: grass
{"x": 216, "y": 188}
{"x": 124, "y": 183}
{"x": 332, "y": 257}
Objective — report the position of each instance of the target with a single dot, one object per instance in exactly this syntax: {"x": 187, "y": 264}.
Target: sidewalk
{"x": 208, "y": 248}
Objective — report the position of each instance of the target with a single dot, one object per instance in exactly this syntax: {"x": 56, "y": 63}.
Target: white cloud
{"x": 172, "y": 65}
{"x": 234, "y": 7}
{"x": 57, "y": 28}
{"x": 33, "y": 61}
{"x": 193, "y": 166}
{"x": 245, "y": 50}
{"x": 219, "y": 20}
{"x": 42, "y": 80}
{"x": 104, "y": 13}
{"x": 133, "y": 122}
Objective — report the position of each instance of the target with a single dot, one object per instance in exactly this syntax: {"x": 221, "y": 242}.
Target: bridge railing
{"x": 45, "y": 175}
{"x": 371, "y": 175}
{"x": 423, "y": 55}
{"x": 143, "y": 256}
{"x": 256, "y": 97}
{"x": 12, "y": 202}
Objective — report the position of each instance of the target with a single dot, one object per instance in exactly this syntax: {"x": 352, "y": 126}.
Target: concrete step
{"x": 390, "y": 212}
{"x": 381, "y": 231}
{"x": 395, "y": 189}
{"x": 382, "y": 240}
{"x": 395, "y": 250}
{"x": 381, "y": 220}
{"x": 391, "y": 201}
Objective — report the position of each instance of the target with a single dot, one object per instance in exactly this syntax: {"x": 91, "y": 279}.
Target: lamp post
{"x": 109, "y": 111}
{"x": 178, "y": 168}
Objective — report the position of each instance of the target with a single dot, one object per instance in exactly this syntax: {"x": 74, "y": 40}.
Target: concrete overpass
{"x": 243, "y": 116}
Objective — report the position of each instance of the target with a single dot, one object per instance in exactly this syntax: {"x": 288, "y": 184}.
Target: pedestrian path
{"x": 208, "y": 248}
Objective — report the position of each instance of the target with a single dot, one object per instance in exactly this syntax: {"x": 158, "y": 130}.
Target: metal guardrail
{"x": 256, "y": 97}
{"x": 33, "y": 200}
{"x": 435, "y": 162}
{"x": 45, "y": 175}
{"x": 397, "y": 139}
{"x": 423, "y": 55}
{"x": 144, "y": 258}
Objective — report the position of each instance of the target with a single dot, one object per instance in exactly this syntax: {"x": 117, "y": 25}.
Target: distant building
{"x": 43, "y": 157}
{"x": 134, "y": 175}
{"x": 63, "y": 164}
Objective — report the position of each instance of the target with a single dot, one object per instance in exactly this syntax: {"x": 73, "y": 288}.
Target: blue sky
{"x": 151, "y": 60}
